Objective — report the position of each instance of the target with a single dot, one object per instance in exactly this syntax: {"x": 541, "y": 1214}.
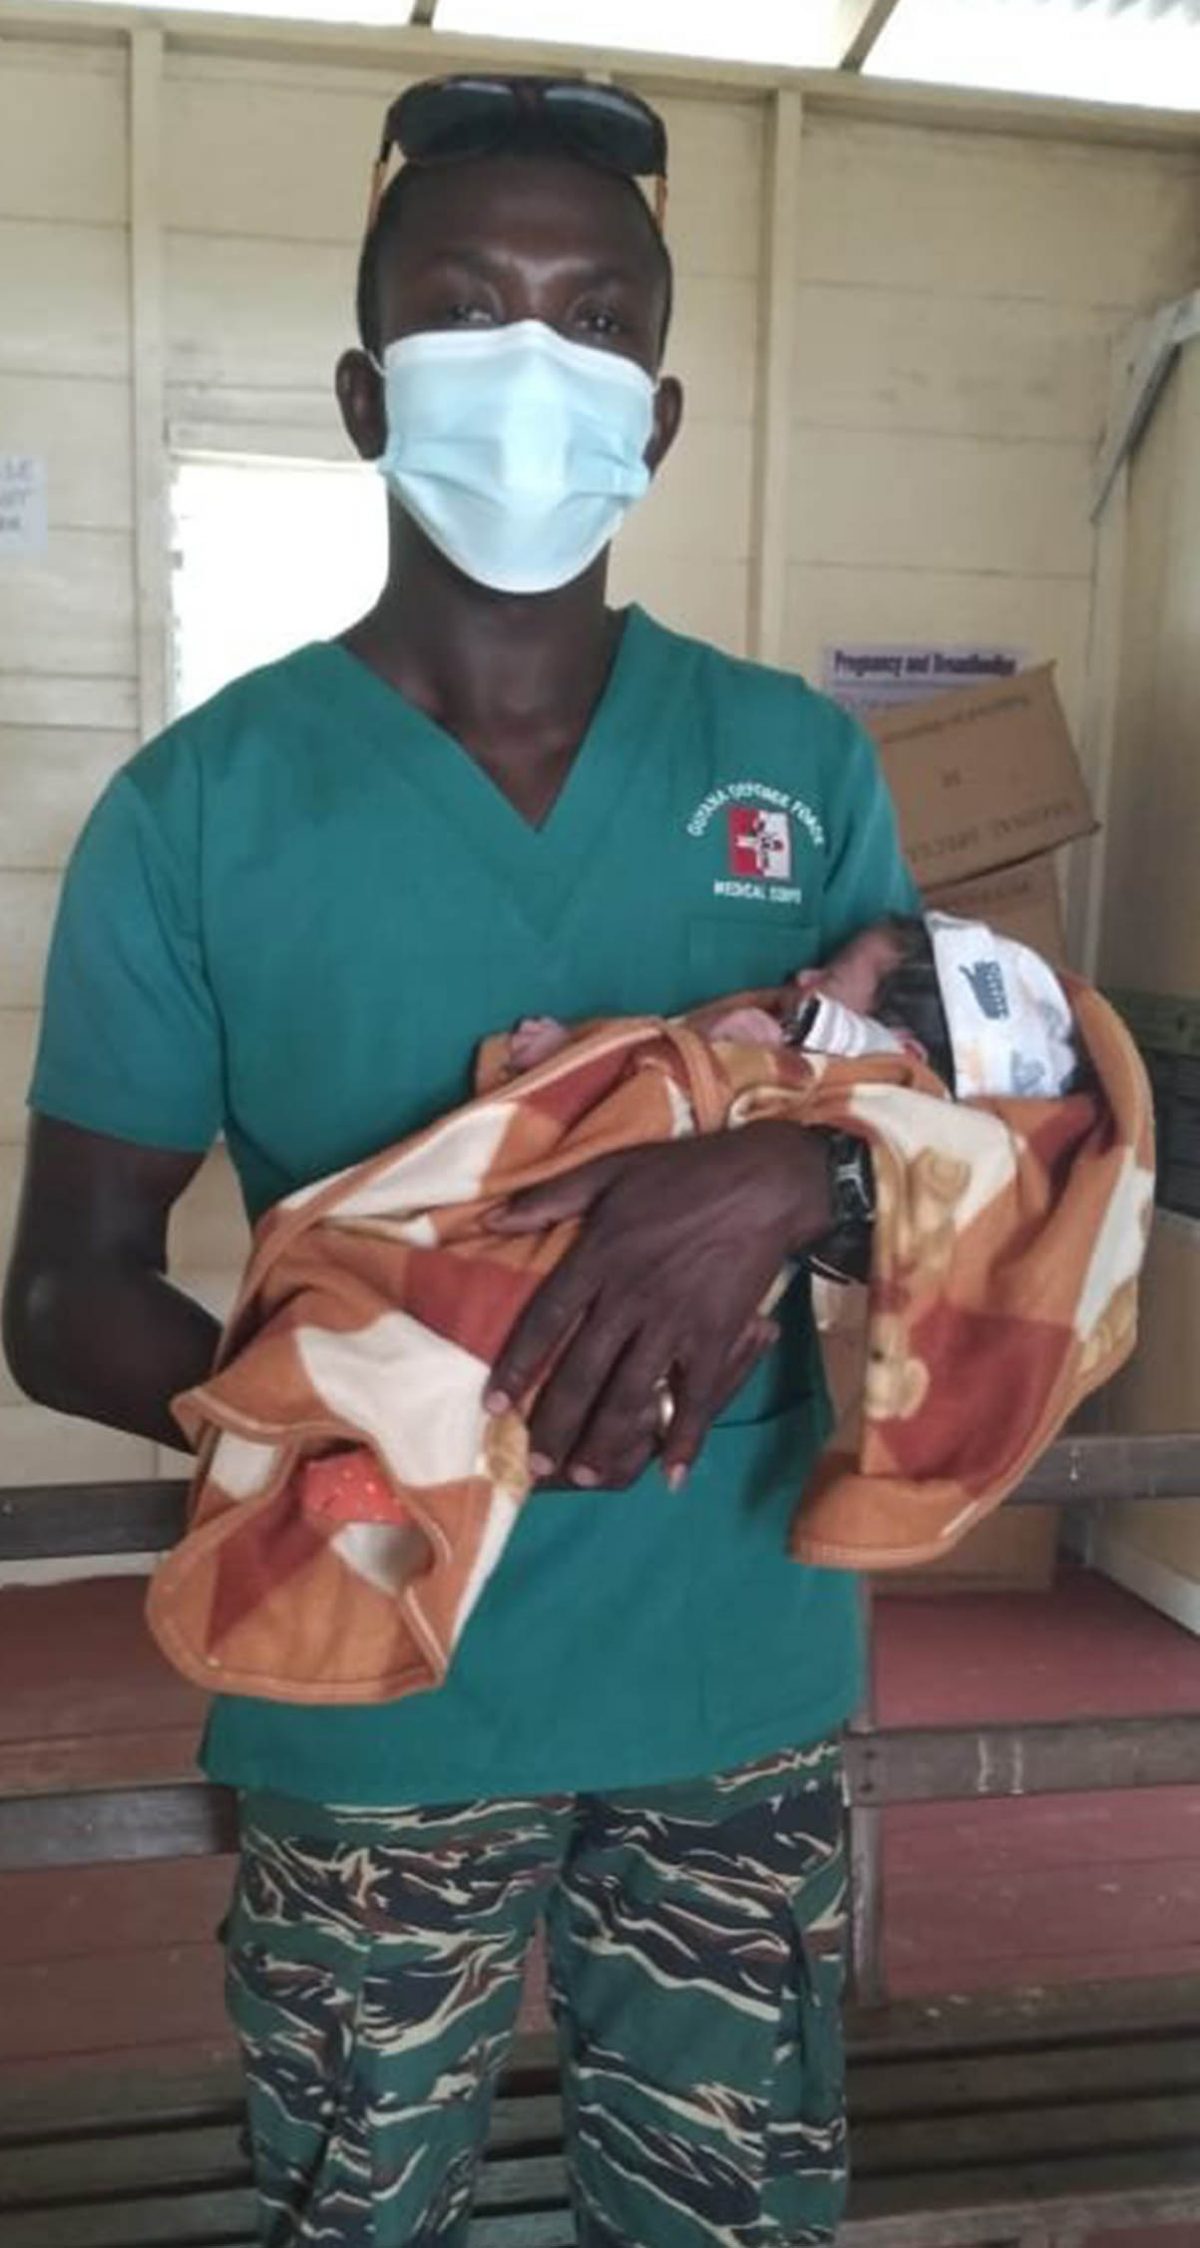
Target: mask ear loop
{"x": 379, "y": 171}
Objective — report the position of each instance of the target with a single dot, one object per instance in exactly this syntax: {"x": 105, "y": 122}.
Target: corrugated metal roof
{"x": 797, "y": 32}
{"x": 1127, "y": 51}
{"x": 1092, "y": 50}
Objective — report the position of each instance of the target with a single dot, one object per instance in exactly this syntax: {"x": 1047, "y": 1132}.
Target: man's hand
{"x": 680, "y": 1246}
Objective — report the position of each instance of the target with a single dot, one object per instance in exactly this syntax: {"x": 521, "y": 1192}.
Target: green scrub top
{"x": 291, "y": 919}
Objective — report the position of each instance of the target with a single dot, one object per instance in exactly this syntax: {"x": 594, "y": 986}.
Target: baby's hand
{"x": 747, "y": 1026}
{"x": 536, "y": 1039}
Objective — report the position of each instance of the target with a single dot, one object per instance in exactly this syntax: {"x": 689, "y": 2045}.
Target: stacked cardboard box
{"x": 987, "y": 787}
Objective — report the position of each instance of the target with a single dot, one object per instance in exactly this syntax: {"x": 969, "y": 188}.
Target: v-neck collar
{"x": 543, "y": 868}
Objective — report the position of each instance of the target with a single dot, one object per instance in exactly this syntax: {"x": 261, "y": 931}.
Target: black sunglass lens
{"x": 461, "y": 119}
{"x": 606, "y": 129}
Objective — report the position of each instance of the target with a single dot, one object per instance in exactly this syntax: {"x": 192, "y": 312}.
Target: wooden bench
{"x": 1021, "y": 2119}
{"x": 1028, "y": 2118}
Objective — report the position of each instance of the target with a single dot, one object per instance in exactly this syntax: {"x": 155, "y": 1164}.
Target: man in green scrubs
{"x": 291, "y": 919}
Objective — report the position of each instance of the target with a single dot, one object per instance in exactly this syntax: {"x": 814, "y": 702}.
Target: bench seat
{"x": 1027, "y": 2117}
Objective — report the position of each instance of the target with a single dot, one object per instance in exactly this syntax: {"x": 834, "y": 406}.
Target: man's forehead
{"x": 500, "y": 205}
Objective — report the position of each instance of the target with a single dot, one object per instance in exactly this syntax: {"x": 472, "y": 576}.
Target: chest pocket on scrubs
{"x": 745, "y": 948}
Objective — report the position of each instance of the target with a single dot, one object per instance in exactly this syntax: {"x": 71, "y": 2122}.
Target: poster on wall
{"x": 22, "y": 505}
{"x": 873, "y": 675}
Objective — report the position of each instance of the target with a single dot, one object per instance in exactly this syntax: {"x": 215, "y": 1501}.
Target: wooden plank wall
{"x": 959, "y": 297}
{"x": 68, "y": 665}
{"x": 1150, "y": 937}
{"x": 953, "y": 300}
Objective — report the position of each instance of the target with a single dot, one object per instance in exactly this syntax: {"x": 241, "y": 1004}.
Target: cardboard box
{"x": 983, "y": 779}
{"x": 1020, "y": 901}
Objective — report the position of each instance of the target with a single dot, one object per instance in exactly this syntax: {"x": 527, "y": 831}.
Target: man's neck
{"x": 514, "y": 679}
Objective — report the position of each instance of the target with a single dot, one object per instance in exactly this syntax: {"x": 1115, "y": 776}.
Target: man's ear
{"x": 668, "y": 413}
{"x": 359, "y": 388}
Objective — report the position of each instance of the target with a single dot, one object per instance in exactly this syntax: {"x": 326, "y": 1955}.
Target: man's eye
{"x": 599, "y": 321}
{"x": 463, "y": 315}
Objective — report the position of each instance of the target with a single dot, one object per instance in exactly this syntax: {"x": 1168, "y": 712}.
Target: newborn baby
{"x": 985, "y": 1013}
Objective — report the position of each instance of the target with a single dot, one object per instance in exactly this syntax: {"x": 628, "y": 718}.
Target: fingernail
{"x": 676, "y": 1477}
{"x": 586, "y": 1478}
{"x": 539, "y": 1465}
{"x": 496, "y": 1401}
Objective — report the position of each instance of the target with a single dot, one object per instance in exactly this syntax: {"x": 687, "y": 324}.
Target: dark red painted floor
{"x": 1049, "y": 1889}
{"x": 106, "y": 1963}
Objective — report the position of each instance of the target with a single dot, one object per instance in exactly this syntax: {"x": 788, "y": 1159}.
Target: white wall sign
{"x": 22, "y": 504}
{"x": 864, "y": 675}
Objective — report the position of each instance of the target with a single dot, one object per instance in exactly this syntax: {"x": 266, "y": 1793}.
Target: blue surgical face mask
{"x": 518, "y": 453}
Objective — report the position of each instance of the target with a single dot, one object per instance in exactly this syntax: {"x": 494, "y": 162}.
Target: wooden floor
{"x": 102, "y": 1965}
{"x": 1054, "y": 1889}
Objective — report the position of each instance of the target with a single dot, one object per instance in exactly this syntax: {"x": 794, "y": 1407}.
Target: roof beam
{"x": 857, "y": 25}
{"x": 1162, "y": 338}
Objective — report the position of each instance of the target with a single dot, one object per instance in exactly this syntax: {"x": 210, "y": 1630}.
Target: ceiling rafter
{"x": 858, "y": 25}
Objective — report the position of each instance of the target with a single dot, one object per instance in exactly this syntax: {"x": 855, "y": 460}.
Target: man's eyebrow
{"x": 488, "y": 264}
{"x": 466, "y": 254}
{"x": 603, "y": 276}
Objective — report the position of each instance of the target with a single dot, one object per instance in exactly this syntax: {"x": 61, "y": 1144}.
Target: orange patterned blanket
{"x": 1007, "y": 1246}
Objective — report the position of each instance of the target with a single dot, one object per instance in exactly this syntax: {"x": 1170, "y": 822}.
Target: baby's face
{"x": 855, "y": 974}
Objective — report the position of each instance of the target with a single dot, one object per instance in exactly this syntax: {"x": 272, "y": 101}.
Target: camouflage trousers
{"x": 694, "y": 1948}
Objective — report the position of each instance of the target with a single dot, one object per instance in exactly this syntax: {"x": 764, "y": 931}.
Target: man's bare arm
{"x": 92, "y": 1326}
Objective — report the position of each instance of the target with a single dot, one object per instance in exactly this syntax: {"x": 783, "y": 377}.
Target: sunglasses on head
{"x": 449, "y": 120}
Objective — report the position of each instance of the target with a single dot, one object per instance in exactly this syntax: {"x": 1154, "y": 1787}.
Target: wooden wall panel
{"x": 27, "y": 903}
{"x": 257, "y": 314}
{"x": 959, "y": 300}
{"x": 915, "y": 362}
{"x": 1046, "y": 617}
{"x": 63, "y": 133}
{"x": 72, "y": 608}
{"x": 1150, "y": 936}
{"x": 700, "y": 504}
{"x": 81, "y": 428}
{"x": 66, "y": 698}
{"x": 66, "y": 292}
{"x": 18, "y": 1036}
{"x": 37, "y": 1446}
{"x": 262, "y": 152}
{"x": 67, "y": 645}
{"x": 692, "y": 594}
{"x": 1151, "y": 929}
{"x": 1155, "y": 1550}
{"x": 970, "y": 215}
{"x": 862, "y": 497}
{"x": 50, "y": 776}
